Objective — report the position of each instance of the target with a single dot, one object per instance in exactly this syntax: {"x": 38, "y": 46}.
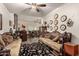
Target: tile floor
{"x": 31, "y": 40}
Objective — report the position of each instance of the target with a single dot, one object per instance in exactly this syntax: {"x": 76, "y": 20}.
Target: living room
{"x": 46, "y": 29}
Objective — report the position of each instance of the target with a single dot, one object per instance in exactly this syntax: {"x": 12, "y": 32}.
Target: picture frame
{"x": 63, "y": 18}
{"x": 63, "y": 27}
{"x": 0, "y": 21}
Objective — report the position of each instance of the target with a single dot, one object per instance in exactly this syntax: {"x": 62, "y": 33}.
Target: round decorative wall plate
{"x": 55, "y": 28}
{"x": 51, "y": 28}
{"x": 55, "y": 22}
{"x": 63, "y": 18}
{"x": 51, "y": 22}
{"x": 56, "y": 16}
{"x": 69, "y": 23}
{"x": 63, "y": 27}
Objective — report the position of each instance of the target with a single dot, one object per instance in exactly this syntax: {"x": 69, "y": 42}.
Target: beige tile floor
{"x": 31, "y": 40}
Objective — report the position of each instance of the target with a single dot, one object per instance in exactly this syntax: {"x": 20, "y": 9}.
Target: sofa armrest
{"x": 5, "y": 53}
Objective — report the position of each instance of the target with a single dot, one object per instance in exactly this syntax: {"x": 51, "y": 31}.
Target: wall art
{"x": 55, "y": 22}
{"x": 56, "y": 16}
{"x": 51, "y": 28}
{"x": 55, "y": 28}
{"x": 63, "y": 27}
{"x": 70, "y": 23}
{"x": 51, "y": 22}
{"x": 63, "y": 18}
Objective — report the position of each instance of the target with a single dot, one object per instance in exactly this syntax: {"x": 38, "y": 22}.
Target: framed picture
{"x": 63, "y": 27}
{"x": 56, "y": 16}
{"x": 55, "y": 28}
{"x": 0, "y": 21}
{"x": 70, "y": 23}
{"x": 55, "y": 22}
{"x": 63, "y": 18}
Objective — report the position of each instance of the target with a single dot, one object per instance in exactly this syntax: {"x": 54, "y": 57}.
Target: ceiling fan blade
{"x": 28, "y": 3}
{"x": 42, "y": 5}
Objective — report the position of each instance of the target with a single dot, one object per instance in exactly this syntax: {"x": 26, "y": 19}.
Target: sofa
{"x": 9, "y": 45}
{"x": 56, "y": 40}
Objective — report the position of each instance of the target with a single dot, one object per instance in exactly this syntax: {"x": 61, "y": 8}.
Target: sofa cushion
{"x": 7, "y": 39}
{"x": 2, "y": 43}
{"x": 50, "y": 43}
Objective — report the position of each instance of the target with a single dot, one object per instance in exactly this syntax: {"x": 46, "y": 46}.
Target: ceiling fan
{"x": 36, "y": 6}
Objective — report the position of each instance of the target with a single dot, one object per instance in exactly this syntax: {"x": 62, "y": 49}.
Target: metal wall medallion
{"x": 55, "y": 22}
{"x": 55, "y": 16}
{"x": 63, "y": 27}
{"x": 63, "y": 18}
{"x": 51, "y": 28}
{"x": 51, "y": 22}
{"x": 55, "y": 28}
{"x": 69, "y": 23}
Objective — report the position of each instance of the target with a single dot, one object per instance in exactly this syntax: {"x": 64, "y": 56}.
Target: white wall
{"x": 28, "y": 21}
{"x": 6, "y": 16}
{"x": 72, "y": 12}
{"x": 23, "y": 19}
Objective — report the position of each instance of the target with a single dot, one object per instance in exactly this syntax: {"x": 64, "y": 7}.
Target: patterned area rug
{"x": 35, "y": 49}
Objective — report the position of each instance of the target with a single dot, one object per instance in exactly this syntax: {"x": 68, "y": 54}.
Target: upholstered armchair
{"x": 65, "y": 37}
{"x": 5, "y": 53}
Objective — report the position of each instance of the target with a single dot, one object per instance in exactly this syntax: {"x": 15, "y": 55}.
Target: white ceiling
{"x": 22, "y": 8}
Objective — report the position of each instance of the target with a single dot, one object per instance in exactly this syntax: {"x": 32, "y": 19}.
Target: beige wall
{"x": 28, "y": 21}
{"x": 72, "y": 12}
{"x": 6, "y": 16}
{"x": 23, "y": 19}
